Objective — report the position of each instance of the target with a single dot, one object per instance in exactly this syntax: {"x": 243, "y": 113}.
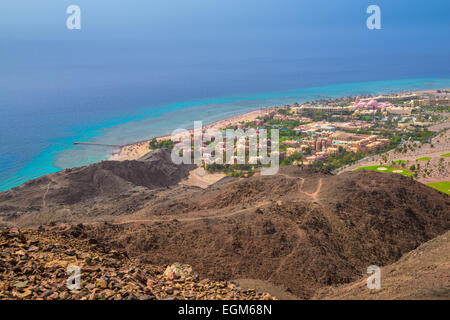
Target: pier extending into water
{"x": 99, "y": 144}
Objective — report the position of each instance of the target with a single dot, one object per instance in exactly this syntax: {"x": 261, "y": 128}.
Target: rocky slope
{"x": 301, "y": 229}
{"x": 423, "y": 273}
{"x": 33, "y": 265}
{"x": 304, "y": 230}
{"x": 106, "y": 188}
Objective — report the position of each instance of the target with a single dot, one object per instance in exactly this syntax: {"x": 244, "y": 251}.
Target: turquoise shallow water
{"x": 131, "y": 126}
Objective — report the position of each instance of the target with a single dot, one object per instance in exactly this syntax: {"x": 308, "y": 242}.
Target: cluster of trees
{"x": 404, "y": 148}
{"x": 402, "y": 163}
{"x": 284, "y": 111}
{"x": 321, "y": 115}
{"x": 360, "y": 131}
{"x": 289, "y": 124}
{"x": 419, "y": 135}
{"x": 155, "y": 144}
{"x": 341, "y": 159}
{"x": 295, "y": 158}
{"x": 439, "y": 109}
{"x": 416, "y": 169}
{"x": 394, "y": 142}
{"x": 442, "y": 166}
{"x": 233, "y": 170}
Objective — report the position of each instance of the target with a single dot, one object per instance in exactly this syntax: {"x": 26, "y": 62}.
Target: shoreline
{"x": 44, "y": 162}
{"x": 136, "y": 150}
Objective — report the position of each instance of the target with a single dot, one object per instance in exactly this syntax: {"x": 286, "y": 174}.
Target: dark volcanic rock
{"x": 302, "y": 229}
{"x": 104, "y": 274}
{"x": 92, "y": 189}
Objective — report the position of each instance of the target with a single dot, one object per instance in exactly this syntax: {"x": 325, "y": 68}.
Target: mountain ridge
{"x": 302, "y": 229}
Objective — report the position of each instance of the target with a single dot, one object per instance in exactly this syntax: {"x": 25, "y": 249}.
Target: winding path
{"x": 315, "y": 194}
{"x": 44, "y": 204}
{"x": 218, "y": 216}
{"x": 223, "y": 215}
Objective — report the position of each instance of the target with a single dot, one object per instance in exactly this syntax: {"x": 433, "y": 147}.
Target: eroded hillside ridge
{"x": 302, "y": 229}
{"x": 34, "y": 264}
{"x": 423, "y": 273}
{"x": 104, "y": 188}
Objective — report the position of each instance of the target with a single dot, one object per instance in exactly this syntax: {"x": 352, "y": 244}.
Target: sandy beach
{"x": 136, "y": 150}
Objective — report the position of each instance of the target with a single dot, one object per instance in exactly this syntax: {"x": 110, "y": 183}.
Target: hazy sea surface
{"x": 37, "y": 144}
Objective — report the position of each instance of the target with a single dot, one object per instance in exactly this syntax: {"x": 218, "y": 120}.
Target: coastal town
{"x": 340, "y": 134}
{"x": 128, "y": 224}
{"x": 225, "y": 159}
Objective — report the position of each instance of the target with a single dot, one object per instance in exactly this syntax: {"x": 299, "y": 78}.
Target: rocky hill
{"x": 106, "y": 188}
{"x": 423, "y": 273}
{"x": 301, "y": 230}
{"x": 34, "y": 264}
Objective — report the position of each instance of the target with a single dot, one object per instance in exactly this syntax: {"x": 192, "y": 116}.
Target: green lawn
{"x": 399, "y": 161}
{"x": 445, "y": 155}
{"x": 404, "y": 172}
{"x": 441, "y": 186}
{"x": 424, "y": 159}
